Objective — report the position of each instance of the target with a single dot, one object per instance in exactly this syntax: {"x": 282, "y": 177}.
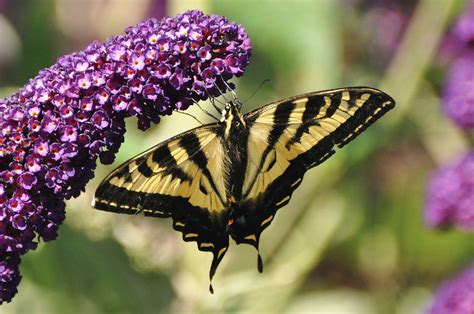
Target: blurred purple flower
{"x": 464, "y": 28}
{"x": 460, "y": 39}
{"x": 54, "y": 128}
{"x": 456, "y": 295}
{"x": 388, "y": 20}
{"x": 391, "y": 23}
{"x": 458, "y": 93}
{"x": 450, "y": 196}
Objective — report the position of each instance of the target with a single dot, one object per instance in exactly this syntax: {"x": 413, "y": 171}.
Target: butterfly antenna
{"x": 221, "y": 91}
{"x": 257, "y": 89}
{"x": 213, "y": 99}
{"x": 207, "y": 112}
{"x": 188, "y": 114}
{"x": 234, "y": 94}
{"x": 217, "y": 99}
{"x": 213, "y": 102}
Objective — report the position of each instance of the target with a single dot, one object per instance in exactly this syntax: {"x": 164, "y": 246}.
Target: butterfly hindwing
{"x": 181, "y": 178}
{"x": 288, "y": 137}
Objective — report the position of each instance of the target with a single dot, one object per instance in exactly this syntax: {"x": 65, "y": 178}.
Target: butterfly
{"x": 230, "y": 177}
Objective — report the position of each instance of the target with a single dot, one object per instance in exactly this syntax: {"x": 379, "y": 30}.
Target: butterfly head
{"x": 231, "y": 110}
{"x": 233, "y": 120}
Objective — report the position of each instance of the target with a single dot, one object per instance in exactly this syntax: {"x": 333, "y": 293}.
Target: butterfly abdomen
{"x": 235, "y": 142}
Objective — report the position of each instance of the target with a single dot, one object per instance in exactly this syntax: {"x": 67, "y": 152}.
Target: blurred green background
{"x": 352, "y": 240}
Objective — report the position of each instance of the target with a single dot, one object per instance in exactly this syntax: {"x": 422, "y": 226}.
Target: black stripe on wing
{"x": 281, "y": 117}
{"x": 374, "y": 107}
{"x": 189, "y": 142}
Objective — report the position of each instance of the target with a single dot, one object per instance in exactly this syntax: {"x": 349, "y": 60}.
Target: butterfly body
{"x": 229, "y": 178}
{"x": 235, "y": 138}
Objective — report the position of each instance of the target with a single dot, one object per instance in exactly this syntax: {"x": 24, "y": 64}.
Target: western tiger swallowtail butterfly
{"x": 230, "y": 177}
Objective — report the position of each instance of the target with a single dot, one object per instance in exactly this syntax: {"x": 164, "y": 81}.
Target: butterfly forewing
{"x": 182, "y": 178}
{"x": 288, "y": 137}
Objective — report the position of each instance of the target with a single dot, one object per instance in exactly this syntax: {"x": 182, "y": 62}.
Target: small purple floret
{"x": 55, "y": 127}
{"x": 9, "y": 275}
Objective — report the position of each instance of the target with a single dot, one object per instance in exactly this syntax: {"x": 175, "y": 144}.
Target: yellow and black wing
{"x": 288, "y": 137}
{"x": 174, "y": 179}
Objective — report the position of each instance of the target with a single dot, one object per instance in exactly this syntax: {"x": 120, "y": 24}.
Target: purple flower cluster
{"x": 54, "y": 128}
{"x": 455, "y": 296}
{"x": 391, "y": 22}
{"x": 450, "y": 197}
{"x": 458, "y": 94}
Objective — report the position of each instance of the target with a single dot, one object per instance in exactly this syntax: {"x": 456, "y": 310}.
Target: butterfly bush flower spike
{"x": 450, "y": 197}
{"x": 55, "y": 127}
{"x": 455, "y": 296}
